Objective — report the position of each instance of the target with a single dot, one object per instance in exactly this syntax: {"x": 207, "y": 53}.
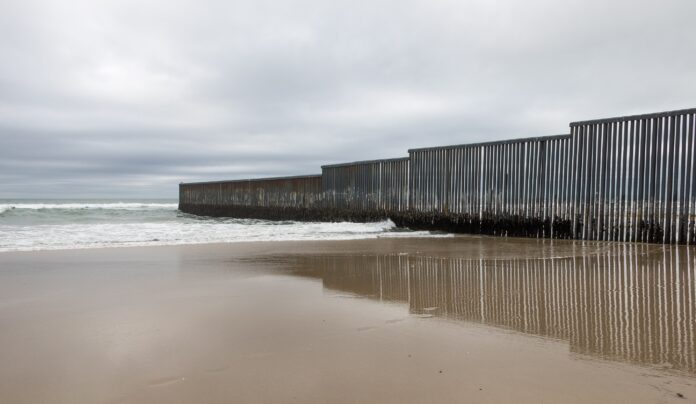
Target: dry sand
{"x": 468, "y": 319}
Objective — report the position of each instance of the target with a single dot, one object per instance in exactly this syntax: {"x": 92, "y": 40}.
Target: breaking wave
{"x": 49, "y": 225}
{"x": 85, "y": 206}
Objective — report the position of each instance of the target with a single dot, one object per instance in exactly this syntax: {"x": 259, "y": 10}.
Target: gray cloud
{"x": 123, "y": 98}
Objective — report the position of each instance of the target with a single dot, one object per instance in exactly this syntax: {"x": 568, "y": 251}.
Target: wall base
{"x": 512, "y": 226}
{"x": 284, "y": 213}
{"x": 506, "y": 226}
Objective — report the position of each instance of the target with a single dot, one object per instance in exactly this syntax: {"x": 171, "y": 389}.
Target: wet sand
{"x": 467, "y": 319}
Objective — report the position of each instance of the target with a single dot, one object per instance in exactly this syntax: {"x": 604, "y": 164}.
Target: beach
{"x": 460, "y": 319}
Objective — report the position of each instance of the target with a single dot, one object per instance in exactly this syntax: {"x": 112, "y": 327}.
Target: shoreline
{"x": 328, "y": 245}
{"x": 224, "y": 243}
{"x": 443, "y": 236}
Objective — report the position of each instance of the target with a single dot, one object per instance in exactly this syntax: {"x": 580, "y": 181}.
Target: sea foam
{"x": 67, "y": 225}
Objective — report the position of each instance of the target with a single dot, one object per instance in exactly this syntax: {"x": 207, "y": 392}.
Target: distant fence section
{"x": 279, "y": 198}
{"x": 372, "y": 186}
{"x": 617, "y": 179}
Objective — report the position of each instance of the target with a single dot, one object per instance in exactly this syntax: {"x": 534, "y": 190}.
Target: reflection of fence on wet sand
{"x": 628, "y": 302}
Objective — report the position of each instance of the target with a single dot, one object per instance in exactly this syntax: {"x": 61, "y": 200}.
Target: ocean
{"x": 29, "y": 225}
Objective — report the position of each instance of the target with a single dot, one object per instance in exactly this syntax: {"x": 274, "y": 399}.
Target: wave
{"x": 88, "y": 206}
{"x": 62, "y": 224}
{"x": 72, "y": 236}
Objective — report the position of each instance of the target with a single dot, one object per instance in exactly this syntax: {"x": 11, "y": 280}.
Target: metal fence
{"x": 622, "y": 179}
{"x": 633, "y": 178}
{"x": 378, "y": 185}
{"x": 280, "y": 192}
{"x": 525, "y": 178}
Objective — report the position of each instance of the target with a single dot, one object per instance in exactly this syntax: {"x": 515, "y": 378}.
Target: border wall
{"x": 618, "y": 179}
{"x": 509, "y": 188}
{"x": 633, "y": 178}
{"x": 375, "y": 189}
{"x": 279, "y": 198}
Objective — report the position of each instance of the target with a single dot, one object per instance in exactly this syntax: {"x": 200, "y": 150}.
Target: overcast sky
{"x": 129, "y": 98}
